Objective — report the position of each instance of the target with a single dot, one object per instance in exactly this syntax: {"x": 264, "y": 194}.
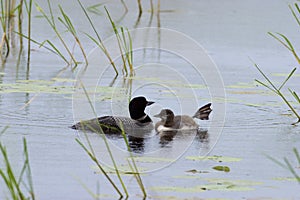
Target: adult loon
{"x": 170, "y": 122}
{"x": 138, "y": 121}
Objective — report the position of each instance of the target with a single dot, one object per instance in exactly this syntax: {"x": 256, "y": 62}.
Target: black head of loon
{"x": 137, "y": 109}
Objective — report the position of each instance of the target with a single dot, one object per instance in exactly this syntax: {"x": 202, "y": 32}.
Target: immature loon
{"x": 139, "y": 121}
{"x": 170, "y": 122}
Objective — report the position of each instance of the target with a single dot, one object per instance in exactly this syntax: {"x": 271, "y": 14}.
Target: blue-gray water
{"x": 256, "y": 123}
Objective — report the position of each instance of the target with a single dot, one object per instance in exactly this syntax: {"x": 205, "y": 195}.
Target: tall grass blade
{"x": 52, "y": 24}
{"x": 94, "y": 8}
{"x": 134, "y": 168}
{"x": 92, "y": 156}
{"x": 265, "y": 85}
{"x": 69, "y": 25}
{"x": 294, "y": 14}
{"x": 295, "y": 95}
{"x": 297, "y": 155}
{"x": 286, "y": 44}
{"x": 101, "y": 133}
{"x": 263, "y": 74}
{"x": 12, "y": 183}
{"x": 119, "y": 41}
{"x": 99, "y": 43}
{"x": 29, "y": 9}
{"x": 291, "y": 169}
{"x": 289, "y": 76}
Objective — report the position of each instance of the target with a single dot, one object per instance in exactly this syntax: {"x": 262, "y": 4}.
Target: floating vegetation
{"x": 214, "y": 158}
{"x": 226, "y": 186}
{"x": 221, "y": 168}
{"x": 194, "y": 171}
{"x": 37, "y": 86}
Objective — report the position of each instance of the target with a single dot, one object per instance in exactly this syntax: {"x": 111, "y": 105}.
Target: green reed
{"x": 5, "y": 21}
{"x": 133, "y": 166}
{"x": 52, "y": 23}
{"x": 277, "y": 90}
{"x": 98, "y": 41}
{"x": 66, "y": 21}
{"x": 125, "y": 46}
{"x": 93, "y": 156}
{"x": 287, "y": 164}
{"x": 283, "y": 39}
{"x": 19, "y": 187}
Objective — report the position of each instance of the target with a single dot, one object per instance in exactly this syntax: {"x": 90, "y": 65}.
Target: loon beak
{"x": 150, "y": 103}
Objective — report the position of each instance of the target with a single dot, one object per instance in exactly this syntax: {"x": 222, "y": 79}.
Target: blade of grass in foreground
{"x": 106, "y": 144}
{"x": 12, "y": 183}
{"x": 134, "y": 168}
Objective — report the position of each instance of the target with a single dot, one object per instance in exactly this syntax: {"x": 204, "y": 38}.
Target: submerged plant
{"x": 20, "y": 187}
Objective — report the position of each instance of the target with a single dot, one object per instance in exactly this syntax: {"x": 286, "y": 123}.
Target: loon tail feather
{"x": 203, "y": 112}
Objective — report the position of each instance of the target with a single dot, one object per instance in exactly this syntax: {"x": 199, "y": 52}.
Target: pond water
{"x": 42, "y": 102}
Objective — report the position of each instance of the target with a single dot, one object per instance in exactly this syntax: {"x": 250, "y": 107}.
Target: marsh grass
{"x": 125, "y": 46}
{"x": 287, "y": 164}
{"x": 132, "y": 164}
{"x": 66, "y": 21}
{"x": 288, "y": 45}
{"x": 283, "y": 39}
{"x": 98, "y": 41}
{"x": 19, "y": 187}
{"x": 277, "y": 90}
{"x": 7, "y": 12}
{"x": 28, "y": 6}
{"x": 11, "y": 13}
{"x": 91, "y": 153}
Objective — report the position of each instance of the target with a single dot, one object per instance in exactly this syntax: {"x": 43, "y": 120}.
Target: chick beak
{"x": 157, "y": 115}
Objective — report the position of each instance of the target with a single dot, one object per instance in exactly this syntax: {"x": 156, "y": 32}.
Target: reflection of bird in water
{"x": 136, "y": 144}
{"x": 170, "y": 122}
{"x": 139, "y": 121}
